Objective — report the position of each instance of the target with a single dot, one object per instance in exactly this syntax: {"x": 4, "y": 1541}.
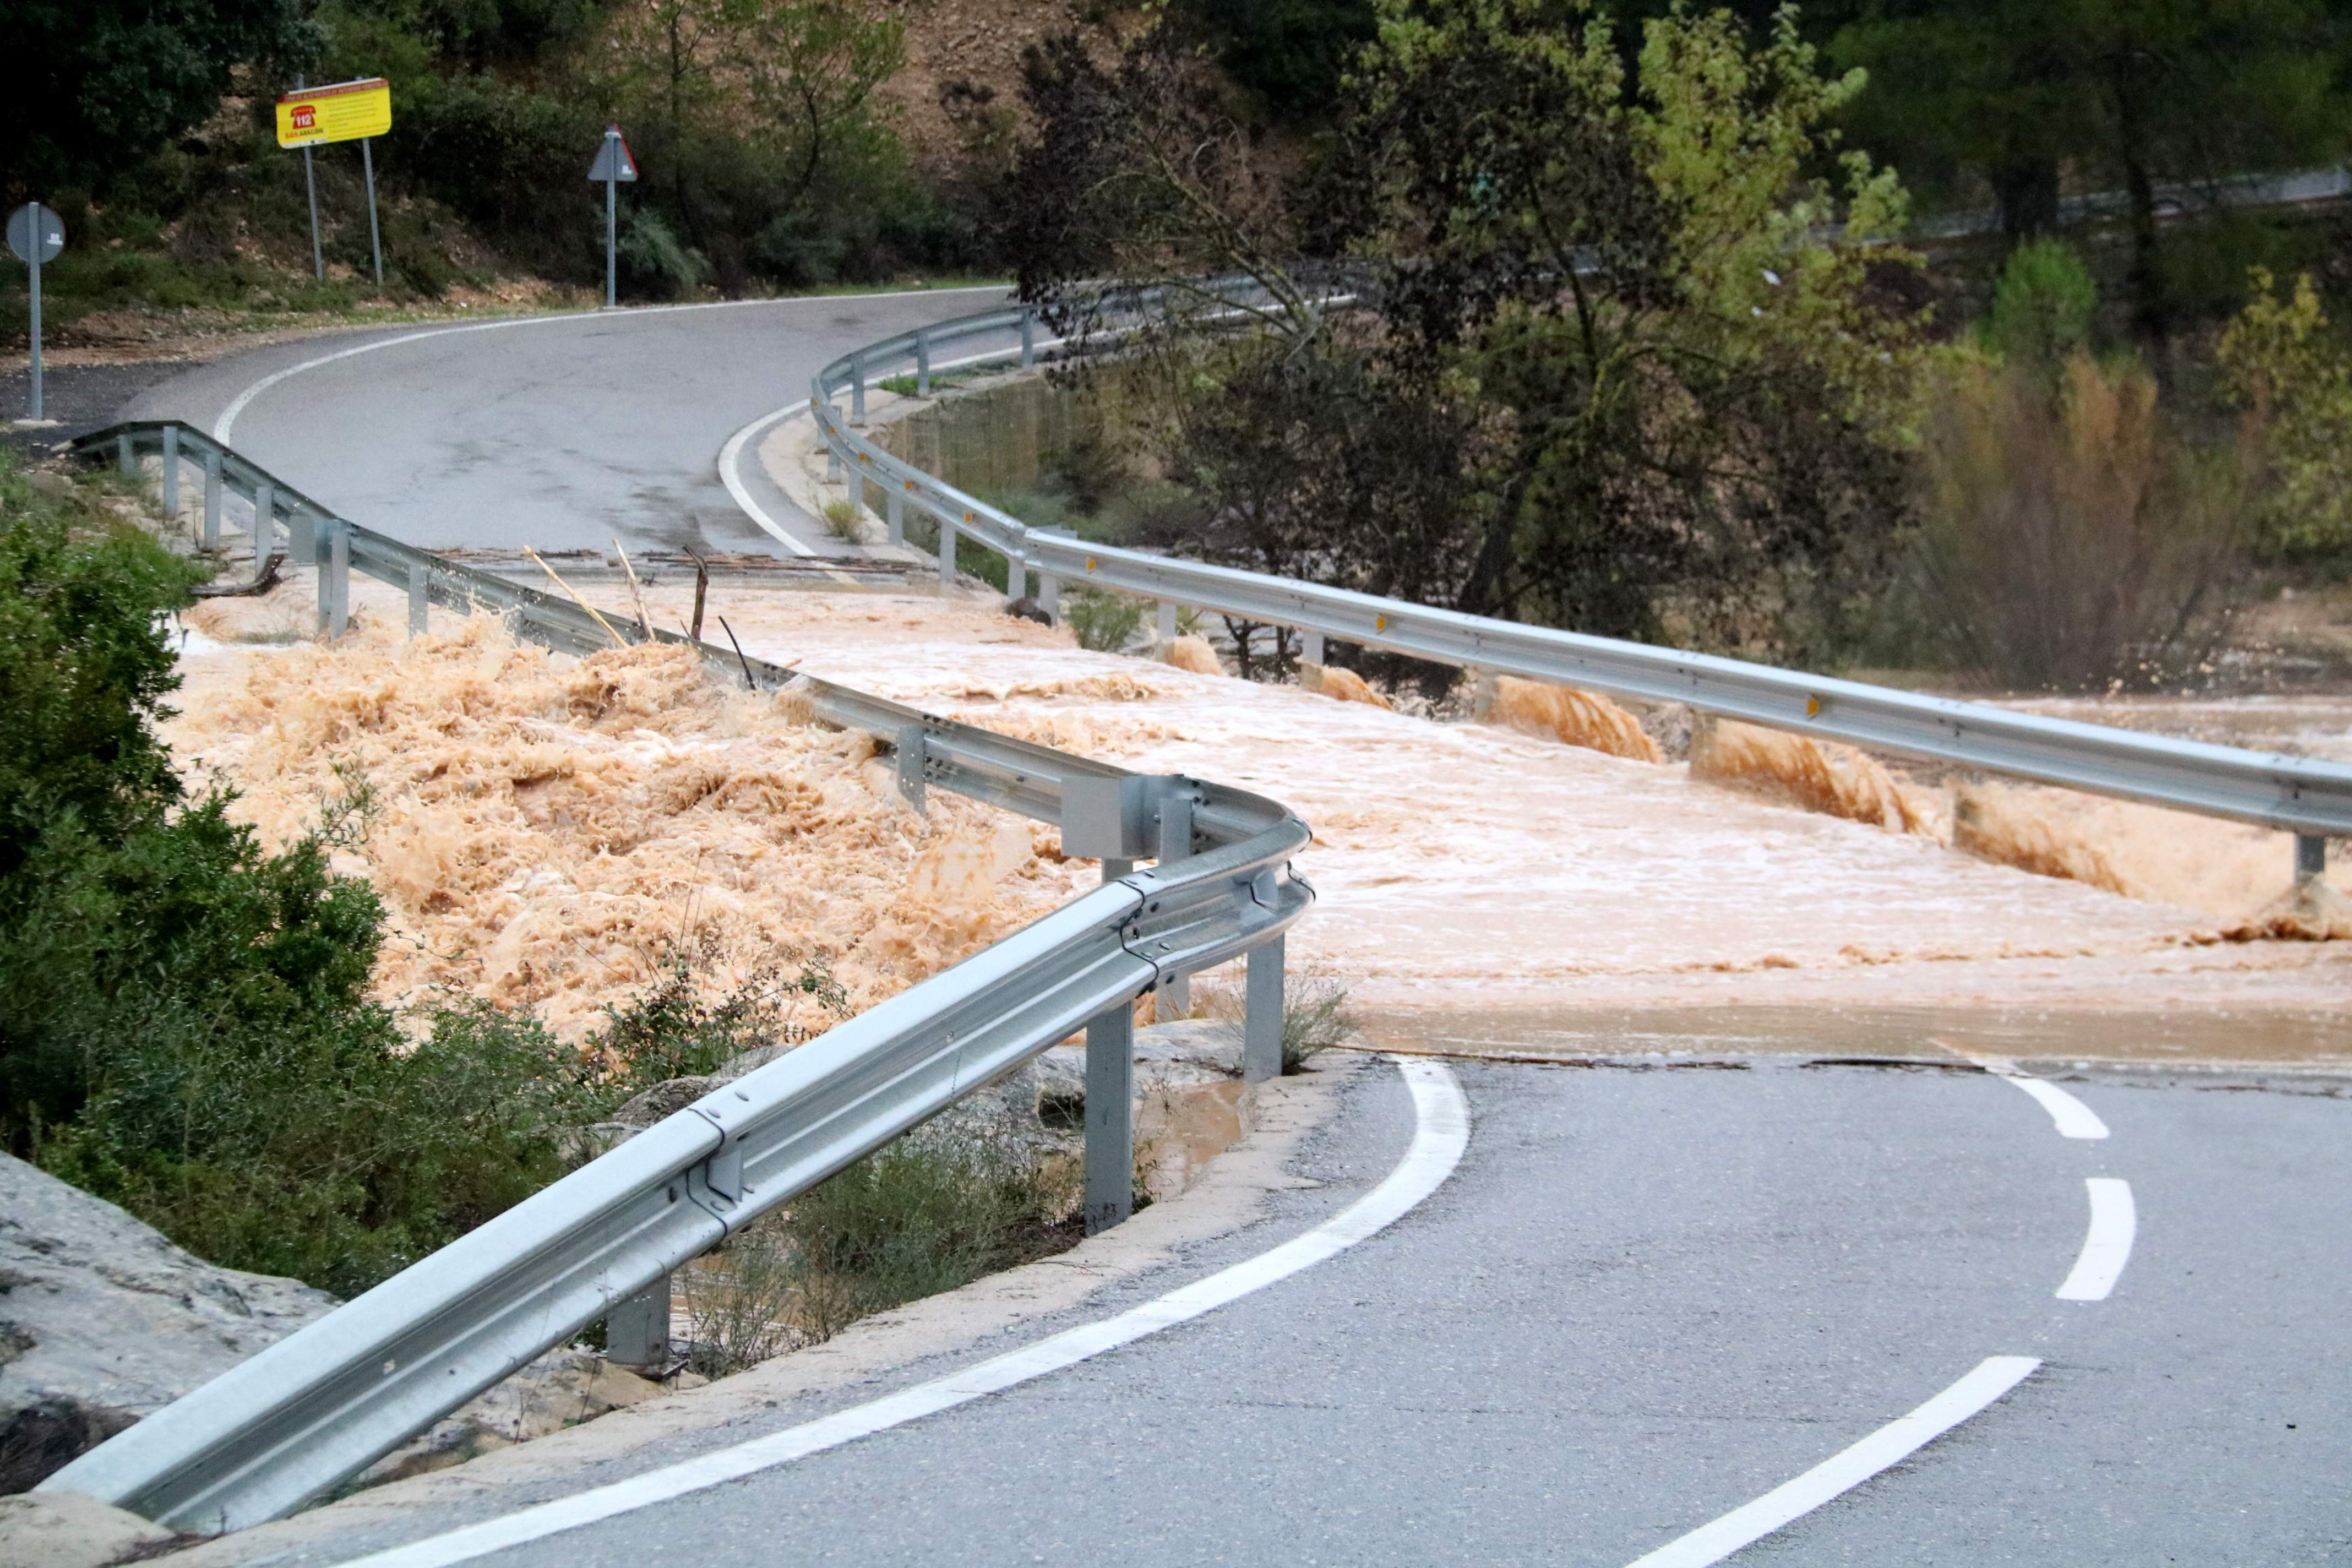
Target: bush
{"x": 928, "y": 1213}
{"x": 2073, "y": 536}
{"x": 184, "y": 1027}
{"x": 2042, "y": 304}
{"x": 1104, "y": 622}
{"x": 846, "y": 520}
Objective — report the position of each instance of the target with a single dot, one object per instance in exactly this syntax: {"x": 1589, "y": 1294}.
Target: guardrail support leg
{"x": 264, "y": 524}
{"x": 922, "y": 368}
{"x": 857, "y": 391}
{"x": 1262, "y": 1018}
{"x": 637, "y": 1332}
{"x": 1310, "y": 647}
{"x": 212, "y": 501}
{"x": 894, "y": 518}
{"x": 1028, "y": 339}
{"x": 2310, "y": 858}
{"x": 947, "y": 553}
{"x": 335, "y": 577}
{"x": 124, "y": 458}
{"x": 1175, "y": 844}
{"x": 832, "y": 462}
{"x": 1167, "y": 622}
{"x": 171, "y": 472}
{"x": 301, "y": 538}
{"x": 1049, "y": 596}
{"x": 420, "y": 598}
{"x": 1111, "y": 1106}
{"x": 1016, "y": 578}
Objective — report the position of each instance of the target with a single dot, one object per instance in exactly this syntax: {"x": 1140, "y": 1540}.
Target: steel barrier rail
{"x": 2310, "y": 798}
{"x": 310, "y": 1412}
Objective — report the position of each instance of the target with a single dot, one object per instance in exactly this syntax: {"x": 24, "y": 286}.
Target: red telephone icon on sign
{"x": 306, "y": 117}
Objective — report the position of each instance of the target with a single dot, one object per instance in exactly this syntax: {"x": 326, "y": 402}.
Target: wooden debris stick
{"x": 636, "y": 591}
{"x": 618, "y": 640}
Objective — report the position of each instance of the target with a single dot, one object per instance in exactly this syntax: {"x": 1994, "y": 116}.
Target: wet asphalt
{"x": 560, "y": 433}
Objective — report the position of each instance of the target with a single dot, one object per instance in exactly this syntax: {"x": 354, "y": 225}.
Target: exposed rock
{"x": 66, "y": 1530}
{"x": 1028, "y": 609}
{"x": 102, "y": 1321}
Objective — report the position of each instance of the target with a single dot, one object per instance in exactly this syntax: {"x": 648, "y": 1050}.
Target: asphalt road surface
{"x": 1644, "y": 1299}
{"x": 560, "y": 433}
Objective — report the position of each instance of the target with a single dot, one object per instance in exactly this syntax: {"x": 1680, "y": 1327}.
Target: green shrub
{"x": 1103, "y": 623}
{"x": 926, "y": 1214}
{"x": 846, "y": 520}
{"x": 2043, "y": 305}
{"x": 185, "y": 1026}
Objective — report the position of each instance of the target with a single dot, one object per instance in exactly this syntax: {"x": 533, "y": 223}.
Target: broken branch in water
{"x": 618, "y": 640}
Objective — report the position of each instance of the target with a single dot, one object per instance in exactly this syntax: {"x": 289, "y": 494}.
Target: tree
{"x": 1693, "y": 403}
{"x": 100, "y": 83}
{"x": 752, "y": 105}
{"x": 2129, "y": 94}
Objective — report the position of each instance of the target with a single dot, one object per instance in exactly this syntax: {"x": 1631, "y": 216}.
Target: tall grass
{"x": 935, "y": 1210}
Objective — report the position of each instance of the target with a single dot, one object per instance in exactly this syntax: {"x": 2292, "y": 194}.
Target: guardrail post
{"x": 171, "y": 472}
{"x": 334, "y": 575}
{"x": 1049, "y": 596}
{"x": 1175, "y": 843}
{"x": 2310, "y": 858}
{"x": 1028, "y": 339}
{"x": 894, "y": 518}
{"x": 1310, "y": 647}
{"x": 264, "y": 523}
{"x": 832, "y": 460}
{"x": 124, "y": 458}
{"x": 922, "y": 366}
{"x": 1110, "y": 1105}
{"x": 947, "y": 553}
{"x": 302, "y": 536}
{"x": 420, "y": 598}
{"x": 1166, "y": 626}
{"x": 212, "y": 500}
{"x": 1261, "y": 1017}
{"x": 637, "y": 1332}
{"x": 1016, "y": 578}
{"x": 857, "y": 391}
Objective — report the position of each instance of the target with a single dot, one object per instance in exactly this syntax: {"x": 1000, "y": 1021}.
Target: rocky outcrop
{"x": 102, "y": 1321}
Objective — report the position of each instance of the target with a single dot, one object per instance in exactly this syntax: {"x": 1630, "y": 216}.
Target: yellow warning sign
{"x": 345, "y": 111}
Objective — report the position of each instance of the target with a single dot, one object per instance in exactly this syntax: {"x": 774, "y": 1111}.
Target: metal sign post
{"x": 376, "y": 238}
{"x": 613, "y": 166}
{"x": 36, "y": 235}
{"x": 346, "y": 111}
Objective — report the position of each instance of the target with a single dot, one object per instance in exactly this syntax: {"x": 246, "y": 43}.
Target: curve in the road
{"x": 1441, "y": 1133}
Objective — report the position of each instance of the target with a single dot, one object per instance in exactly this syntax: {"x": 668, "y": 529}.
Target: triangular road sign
{"x": 612, "y": 159}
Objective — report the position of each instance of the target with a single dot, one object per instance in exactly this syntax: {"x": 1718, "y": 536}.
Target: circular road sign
{"x": 32, "y": 224}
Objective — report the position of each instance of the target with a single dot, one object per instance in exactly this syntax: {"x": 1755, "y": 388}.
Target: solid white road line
{"x": 1890, "y": 1445}
{"x": 730, "y": 474}
{"x": 730, "y": 457}
{"x": 1441, "y": 1133}
{"x": 2073, "y": 1118}
{"x": 237, "y": 405}
{"x": 2106, "y": 1247}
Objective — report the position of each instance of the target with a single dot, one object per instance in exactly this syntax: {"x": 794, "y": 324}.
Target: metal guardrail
{"x": 310, "y": 1412}
{"x": 2308, "y": 797}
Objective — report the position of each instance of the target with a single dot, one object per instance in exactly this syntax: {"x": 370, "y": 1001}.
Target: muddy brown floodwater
{"x": 1477, "y": 881}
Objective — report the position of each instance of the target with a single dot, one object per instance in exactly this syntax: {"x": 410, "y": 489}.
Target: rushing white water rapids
{"x": 1470, "y": 866}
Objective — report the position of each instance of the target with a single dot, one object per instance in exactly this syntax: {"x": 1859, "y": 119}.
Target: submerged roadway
{"x": 1777, "y": 1308}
